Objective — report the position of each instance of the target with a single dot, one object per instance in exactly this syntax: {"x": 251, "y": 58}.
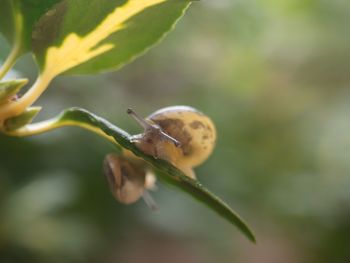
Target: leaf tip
{"x": 10, "y": 88}
{"x": 22, "y": 119}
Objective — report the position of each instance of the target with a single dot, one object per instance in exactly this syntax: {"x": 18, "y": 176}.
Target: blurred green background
{"x": 273, "y": 75}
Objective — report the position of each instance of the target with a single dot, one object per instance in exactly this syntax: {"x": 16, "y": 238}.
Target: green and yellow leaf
{"x": 77, "y": 38}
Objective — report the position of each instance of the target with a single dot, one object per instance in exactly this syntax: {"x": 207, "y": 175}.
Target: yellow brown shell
{"x": 194, "y": 130}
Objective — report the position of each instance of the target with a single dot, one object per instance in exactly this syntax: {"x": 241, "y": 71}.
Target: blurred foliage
{"x": 273, "y": 75}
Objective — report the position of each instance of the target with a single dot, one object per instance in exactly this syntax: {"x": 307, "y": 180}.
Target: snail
{"x": 128, "y": 182}
{"x": 180, "y": 135}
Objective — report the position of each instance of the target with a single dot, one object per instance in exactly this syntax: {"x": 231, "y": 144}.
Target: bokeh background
{"x": 273, "y": 75}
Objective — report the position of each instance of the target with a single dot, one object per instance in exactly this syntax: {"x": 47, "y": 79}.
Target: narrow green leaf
{"x": 110, "y": 33}
{"x": 203, "y": 195}
{"x": 10, "y": 88}
{"x": 166, "y": 171}
{"x": 21, "y": 120}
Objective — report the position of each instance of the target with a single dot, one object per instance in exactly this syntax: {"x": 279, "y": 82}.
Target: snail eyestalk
{"x": 140, "y": 120}
{"x": 169, "y": 138}
{"x": 150, "y": 201}
{"x": 152, "y": 128}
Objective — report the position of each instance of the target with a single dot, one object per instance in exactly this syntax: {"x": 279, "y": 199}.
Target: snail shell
{"x": 129, "y": 181}
{"x": 125, "y": 180}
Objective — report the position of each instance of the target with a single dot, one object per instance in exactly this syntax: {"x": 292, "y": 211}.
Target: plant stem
{"x": 10, "y": 60}
{"x": 55, "y": 123}
{"x": 17, "y": 47}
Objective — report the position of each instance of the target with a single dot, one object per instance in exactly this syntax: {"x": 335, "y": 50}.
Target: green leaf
{"x": 10, "y": 88}
{"x": 21, "y": 120}
{"x": 17, "y": 19}
{"x": 166, "y": 171}
{"x": 110, "y": 34}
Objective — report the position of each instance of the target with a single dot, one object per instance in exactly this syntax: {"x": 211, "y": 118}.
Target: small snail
{"x": 180, "y": 135}
{"x": 127, "y": 181}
